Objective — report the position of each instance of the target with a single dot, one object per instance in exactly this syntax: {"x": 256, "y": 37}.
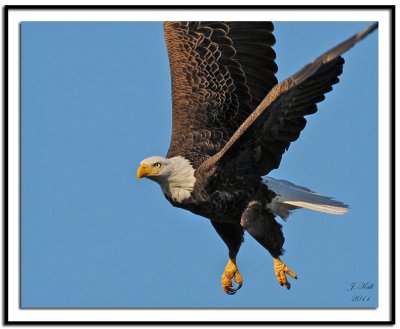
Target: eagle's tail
{"x": 290, "y": 196}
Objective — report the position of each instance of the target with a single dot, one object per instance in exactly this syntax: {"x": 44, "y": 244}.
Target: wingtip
{"x": 362, "y": 34}
{"x": 374, "y": 26}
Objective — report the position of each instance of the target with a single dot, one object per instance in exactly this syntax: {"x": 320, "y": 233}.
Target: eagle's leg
{"x": 262, "y": 226}
{"x": 231, "y": 271}
{"x": 281, "y": 270}
{"x": 232, "y": 234}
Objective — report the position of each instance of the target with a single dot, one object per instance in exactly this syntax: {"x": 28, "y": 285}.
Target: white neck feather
{"x": 180, "y": 181}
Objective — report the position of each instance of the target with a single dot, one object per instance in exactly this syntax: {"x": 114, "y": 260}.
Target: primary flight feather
{"x": 231, "y": 124}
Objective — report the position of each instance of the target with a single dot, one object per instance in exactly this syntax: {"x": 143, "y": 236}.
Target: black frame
{"x": 8, "y": 8}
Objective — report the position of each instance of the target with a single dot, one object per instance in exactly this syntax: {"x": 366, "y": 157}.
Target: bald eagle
{"x": 232, "y": 122}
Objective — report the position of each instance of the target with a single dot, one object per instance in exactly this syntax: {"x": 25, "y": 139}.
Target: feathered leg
{"x": 232, "y": 234}
{"x": 261, "y": 225}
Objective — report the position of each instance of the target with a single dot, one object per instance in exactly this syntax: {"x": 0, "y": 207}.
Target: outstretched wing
{"x": 220, "y": 71}
{"x": 286, "y": 116}
{"x": 266, "y": 134}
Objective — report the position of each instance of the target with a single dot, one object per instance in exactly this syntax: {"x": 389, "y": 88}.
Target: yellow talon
{"x": 231, "y": 271}
{"x": 281, "y": 270}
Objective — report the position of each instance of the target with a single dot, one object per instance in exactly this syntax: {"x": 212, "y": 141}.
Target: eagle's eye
{"x": 157, "y": 165}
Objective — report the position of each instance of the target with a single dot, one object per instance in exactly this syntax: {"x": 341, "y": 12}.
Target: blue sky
{"x": 96, "y": 101}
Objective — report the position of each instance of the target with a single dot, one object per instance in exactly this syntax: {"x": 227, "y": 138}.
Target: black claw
{"x": 232, "y": 291}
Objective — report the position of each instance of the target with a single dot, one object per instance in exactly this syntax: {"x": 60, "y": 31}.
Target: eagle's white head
{"x": 175, "y": 175}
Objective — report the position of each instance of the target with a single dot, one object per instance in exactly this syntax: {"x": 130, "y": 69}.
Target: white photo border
{"x": 14, "y": 314}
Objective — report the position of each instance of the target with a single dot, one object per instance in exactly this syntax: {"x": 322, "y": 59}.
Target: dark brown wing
{"x": 286, "y": 116}
{"x": 220, "y": 71}
{"x": 278, "y": 120}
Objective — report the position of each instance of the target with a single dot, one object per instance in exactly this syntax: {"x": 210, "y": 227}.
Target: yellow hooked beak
{"x": 143, "y": 171}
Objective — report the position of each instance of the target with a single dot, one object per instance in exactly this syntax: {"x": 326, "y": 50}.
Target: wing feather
{"x": 215, "y": 85}
{"x": 286, "y": 120}
{"x": 279, "y": 117}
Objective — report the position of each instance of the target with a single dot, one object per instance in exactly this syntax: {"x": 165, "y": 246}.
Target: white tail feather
{"x": 290, "y": 196}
